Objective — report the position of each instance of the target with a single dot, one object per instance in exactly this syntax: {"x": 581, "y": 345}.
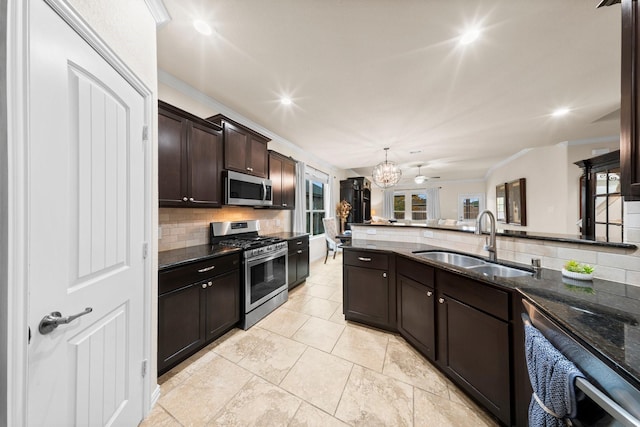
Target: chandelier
{"x": 386, "y": 174}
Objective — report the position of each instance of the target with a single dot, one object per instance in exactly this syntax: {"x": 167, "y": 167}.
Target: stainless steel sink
{"x": 499, "y": 270}
{"x": 452, "y": 258}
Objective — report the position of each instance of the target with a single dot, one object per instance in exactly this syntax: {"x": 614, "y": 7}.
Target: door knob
{"x": 55, "y": 319}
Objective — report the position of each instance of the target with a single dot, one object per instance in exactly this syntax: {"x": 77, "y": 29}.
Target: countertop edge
{"x": 195, "y": 258}
{"x": 513, "y": 234}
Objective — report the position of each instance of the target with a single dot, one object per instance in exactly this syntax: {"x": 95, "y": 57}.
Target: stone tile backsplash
{"x": 619, "y": 265}
{"x": 183, "y": 227}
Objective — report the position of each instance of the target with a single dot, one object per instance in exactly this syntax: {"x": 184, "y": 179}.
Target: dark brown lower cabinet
{"x": 464, "y": 326}
{"x": 180, "y": 324}
{"x": 222, "y": 304}
{"x": 474, "y": 345}
{"x": 416, "y": 306}
{"x": 367, "y": 292}
{"x": 298, "y": 260}
{"x": 369, "y": 288}
{"x": 196, "y": 307}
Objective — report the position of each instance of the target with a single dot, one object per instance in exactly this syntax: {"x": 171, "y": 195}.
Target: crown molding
{"x": 158, "y": 11}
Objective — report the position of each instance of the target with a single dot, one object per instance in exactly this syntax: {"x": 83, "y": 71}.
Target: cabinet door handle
{"x": 441, "y": 300}
{"x": 364, "y": 259}
{"x": 204, "y": 286}
{"x": 185, "y": 199}
{"x": 300, "y": 251}
{"x": 191, "y": 199}
{"x": 429, "y": 293}
{"x": 250, "y": 169}
{"x": 384, "y": 274}
{"x": 284, "y": 204}
{"x": 298, "y": 243}
{"x": 209, "y": 284}
{"x": 204, "y": 270}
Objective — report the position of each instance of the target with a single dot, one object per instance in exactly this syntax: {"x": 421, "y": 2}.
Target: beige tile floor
{"x": 303, "y": 365}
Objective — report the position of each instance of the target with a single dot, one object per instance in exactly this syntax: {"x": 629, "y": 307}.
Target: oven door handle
{"x": 267, "y": 257}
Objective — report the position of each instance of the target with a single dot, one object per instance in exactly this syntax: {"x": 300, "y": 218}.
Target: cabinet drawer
{"x": 414, "y": 270}
{"x": 299, "y": 243}
{"x": 195, "y": 272}
{"x": 367, "y": 259}
{"x": 476, "y": 294}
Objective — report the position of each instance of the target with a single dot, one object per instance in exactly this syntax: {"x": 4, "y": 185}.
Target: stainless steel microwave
{"x": 246, "y": 190}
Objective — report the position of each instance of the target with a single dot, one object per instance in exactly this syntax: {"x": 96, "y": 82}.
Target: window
{"x": 410, "y": 205}
{"x": 316, "y": 200}
{"x": 608, "y": 206}
{"x": 602, "y": 210}
{"x": 419, "y": 207}
{"x": 398, "y": 206}
{"x": 470, "y": 205}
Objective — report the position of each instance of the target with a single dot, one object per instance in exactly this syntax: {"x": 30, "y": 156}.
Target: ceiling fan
{"x": 419, "y": 179}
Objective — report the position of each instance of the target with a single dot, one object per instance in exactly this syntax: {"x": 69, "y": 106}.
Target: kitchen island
{"x": 603, "y": 315}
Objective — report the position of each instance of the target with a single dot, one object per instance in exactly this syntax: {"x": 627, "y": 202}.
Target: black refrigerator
{"x": 357, "y": 191}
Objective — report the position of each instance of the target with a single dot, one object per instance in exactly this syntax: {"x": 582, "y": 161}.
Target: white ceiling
{"x": 369, "y": 74}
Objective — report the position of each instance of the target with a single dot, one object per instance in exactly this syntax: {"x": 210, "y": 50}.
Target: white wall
{"x": 4, "y": 214}
{"x": 552, "y": 187}
{"x": 546, "y": 188}
{"x": 451, "y": 192}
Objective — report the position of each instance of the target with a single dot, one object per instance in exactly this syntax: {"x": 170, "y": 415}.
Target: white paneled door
{"x": 86, "y": 173}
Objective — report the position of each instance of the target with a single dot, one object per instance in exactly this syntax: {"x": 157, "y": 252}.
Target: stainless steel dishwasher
{"x": 610, "y": 400}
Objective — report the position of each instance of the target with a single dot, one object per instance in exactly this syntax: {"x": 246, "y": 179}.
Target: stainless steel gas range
{"x": 265, "y": 266}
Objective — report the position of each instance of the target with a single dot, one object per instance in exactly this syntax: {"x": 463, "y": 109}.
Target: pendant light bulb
{"x": 419, "y": 179}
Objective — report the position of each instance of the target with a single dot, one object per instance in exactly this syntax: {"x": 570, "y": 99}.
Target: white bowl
{"x": 578, "y": 276}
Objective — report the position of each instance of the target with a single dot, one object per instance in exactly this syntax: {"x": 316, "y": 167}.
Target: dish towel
{"x": 553, "y": 381}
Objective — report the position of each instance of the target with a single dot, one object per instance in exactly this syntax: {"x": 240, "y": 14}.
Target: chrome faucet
{"x": 490, "y": 242}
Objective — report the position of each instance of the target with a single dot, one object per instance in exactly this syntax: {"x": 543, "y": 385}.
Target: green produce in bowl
{"x": 576, "y": 267}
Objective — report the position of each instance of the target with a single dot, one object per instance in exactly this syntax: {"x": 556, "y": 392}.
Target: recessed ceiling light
{"x": 286, "y": 100}
{"x": 469, "y": 36}
{"x": 202, "y": 27}
{"x": 560, "y": 112}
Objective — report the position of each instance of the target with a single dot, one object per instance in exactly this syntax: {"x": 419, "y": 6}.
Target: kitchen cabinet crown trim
{"x": 187, "y": 115}
{"x": 219, "y": 119}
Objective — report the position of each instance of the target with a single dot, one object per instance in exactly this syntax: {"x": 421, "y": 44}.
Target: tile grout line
{"x": 342, "y": 394}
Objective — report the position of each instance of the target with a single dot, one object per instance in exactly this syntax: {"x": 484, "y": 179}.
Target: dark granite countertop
{"x": 564, "y": 238}
{"x": 178, "y": 257}
{"x": 288, "y": 235}
{"x": 602, "y": 314}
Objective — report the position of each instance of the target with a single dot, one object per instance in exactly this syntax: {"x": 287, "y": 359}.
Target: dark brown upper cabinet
{"x": 629, "y": 101}
{"x": 189, "y": 159}
{"x": 245, "y": 150}
{"x": 282, "y": 173}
